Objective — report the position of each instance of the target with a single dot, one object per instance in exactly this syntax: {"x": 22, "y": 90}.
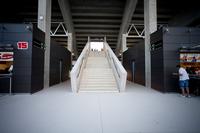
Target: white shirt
{"x": 183, "y": 75}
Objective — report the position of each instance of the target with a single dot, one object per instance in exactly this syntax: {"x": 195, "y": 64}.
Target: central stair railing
{"x": 120, "y": 73}
{"x": 76, "y": 72}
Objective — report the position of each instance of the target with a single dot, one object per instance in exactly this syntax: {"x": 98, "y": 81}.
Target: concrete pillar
{"x": 124, "y": 43}
{"x": 126, "y": 20}
{"x": 44, "y": 23}
{"x": 150, "y": 22}
{"x": 70, "y": 45}
{"x": 70, "y": 42}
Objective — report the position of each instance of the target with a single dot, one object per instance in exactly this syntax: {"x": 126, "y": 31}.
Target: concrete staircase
{"x": 97, "y": 75}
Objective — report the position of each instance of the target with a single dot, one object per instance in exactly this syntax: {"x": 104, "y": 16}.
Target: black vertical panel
{"x": 4, "y": 85}
{"x": 4, "y": 82}
{"x": 14, "y": 33}
{"x": 172, "y": 38}
{"x": 157, "y": 70}
{"x": 128, "y": 57}
{"x": 66, "y": 67}
{"x": 57, "y": 54}
{"x": 136, "y": 54}
{"x": 195, "y": 36}
{"x": 28, "y": 65}
{"x": 1, "y": 33}
{"x": 175, "y": 38}
{"x": 54, "y": 63}
{"x": 140, "y": 64}
{"x": 37, "y": 78}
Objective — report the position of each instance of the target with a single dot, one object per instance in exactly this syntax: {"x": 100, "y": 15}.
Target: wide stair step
{"x": 97, "y": 76}
{"x": 98, "y": 89}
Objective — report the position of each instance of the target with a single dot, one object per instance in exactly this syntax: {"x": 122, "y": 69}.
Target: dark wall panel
{"x": 37, "y": 69}
{"x": 157, "y": 69}
{"x": 136, "y": 54}
{"x": 59, "y": 55}
{"x": 128, "y": 57}
{"x": 37, "y": 78}
{"x": 4, "y": 85}
{"x": 172, "y": 39}
{"x": 28, "y": 63}
{"x": 195, "y": 36}
{"x": 140, "y": 64}
{"x": 1, "y": 34}
{"x": 14, "y": 33}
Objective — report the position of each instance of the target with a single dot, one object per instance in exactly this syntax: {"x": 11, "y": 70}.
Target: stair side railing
{"x": 76, "y": 72}
{"x": 120, "y": 73}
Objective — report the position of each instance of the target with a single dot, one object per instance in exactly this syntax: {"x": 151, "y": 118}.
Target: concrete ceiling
{"x": 96, "y": 18}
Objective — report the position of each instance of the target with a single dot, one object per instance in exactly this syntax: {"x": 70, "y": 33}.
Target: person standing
{"x": 183, "y": 81}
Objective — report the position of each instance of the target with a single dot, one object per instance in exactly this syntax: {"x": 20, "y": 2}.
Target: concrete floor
{"x": 138, "y": 110}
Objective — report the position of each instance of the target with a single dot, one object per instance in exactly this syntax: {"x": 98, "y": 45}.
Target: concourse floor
{"x": 138, "y": 110}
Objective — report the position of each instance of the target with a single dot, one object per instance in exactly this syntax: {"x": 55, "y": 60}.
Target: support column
{"x": 126, "y": 20}
{"x": 70, "y": 46}
{"x": 150, "y": 22}
{"x": 44, "y": 23}
{"x": 124, "y": 42}
{"x": 70, "y": 42}
{"x": 67, "y": 17}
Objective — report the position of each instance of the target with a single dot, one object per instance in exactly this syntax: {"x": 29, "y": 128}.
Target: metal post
{"x": 60, "y": 68}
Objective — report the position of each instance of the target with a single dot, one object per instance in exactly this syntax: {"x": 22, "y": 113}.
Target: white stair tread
{"x": 98, "y": 79}
{"x": 96, "y": 90}
{"x": 97, "y": 75}
{"x": 99, "y": 89}
{"x": 97, "y": 85}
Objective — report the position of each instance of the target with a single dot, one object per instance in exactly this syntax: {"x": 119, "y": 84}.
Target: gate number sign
{"x": 22, "y": 45}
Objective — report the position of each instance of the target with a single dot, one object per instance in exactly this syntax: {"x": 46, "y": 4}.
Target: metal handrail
{"x": 118, "y": 70}
{"x": 76, "y": 71}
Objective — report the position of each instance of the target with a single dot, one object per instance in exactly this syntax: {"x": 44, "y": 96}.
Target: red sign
{"x": 6, "y": 56}
{"x": 22, "y": 45}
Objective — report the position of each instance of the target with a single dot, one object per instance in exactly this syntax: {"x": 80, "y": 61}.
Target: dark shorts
{"x": 183, "y": 84}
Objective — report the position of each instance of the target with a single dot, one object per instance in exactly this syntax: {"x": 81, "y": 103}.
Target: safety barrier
{"x": 118, "y": 70}
{"x": 76, "y": 71}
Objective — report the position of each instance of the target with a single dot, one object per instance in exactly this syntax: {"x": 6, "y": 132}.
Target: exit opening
{"x": 96, "y": 46}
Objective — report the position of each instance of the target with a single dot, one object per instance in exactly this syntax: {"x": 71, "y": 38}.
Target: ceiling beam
{"x": 94, "y": 35}
{"x": 185, "y": 18}
{"x": 95, "y": 26}
{"x": 96, "y": 30}
{"x": 127, "y": 17}
{"x": 67, "y": 17}
{"x": 96, "y": 8}
{"x": 91, "y": 14}
{"x": 88, "y": 20}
